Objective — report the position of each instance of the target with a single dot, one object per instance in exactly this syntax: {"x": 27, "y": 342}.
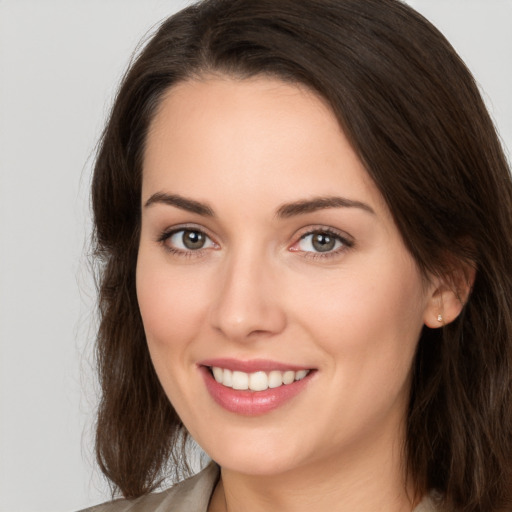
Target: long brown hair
{"x": 414, "y": 115}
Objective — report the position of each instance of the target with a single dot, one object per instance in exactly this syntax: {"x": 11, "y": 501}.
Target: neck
{"x": 371, "y": 479}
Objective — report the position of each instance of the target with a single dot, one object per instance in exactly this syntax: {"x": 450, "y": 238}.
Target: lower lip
{"x": 252, "y": 403}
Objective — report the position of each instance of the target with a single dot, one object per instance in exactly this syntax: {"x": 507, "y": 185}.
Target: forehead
{"x": 250, "y": 135}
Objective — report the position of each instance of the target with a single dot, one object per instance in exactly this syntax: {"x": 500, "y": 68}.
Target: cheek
{"x": 170, "y": 302}
{"x": 369, "y": 321}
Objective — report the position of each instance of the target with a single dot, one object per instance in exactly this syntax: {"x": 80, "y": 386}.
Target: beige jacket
{"x": 191, "y": 495}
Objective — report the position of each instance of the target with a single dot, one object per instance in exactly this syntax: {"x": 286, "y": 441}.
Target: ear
{"x": 447, "y": 295}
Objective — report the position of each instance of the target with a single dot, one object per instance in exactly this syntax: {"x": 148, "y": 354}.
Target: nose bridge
{"x": 247, "y": 303}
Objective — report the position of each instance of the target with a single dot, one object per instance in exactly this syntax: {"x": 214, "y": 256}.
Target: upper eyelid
{"x": 343, "y": 235}
{"x": 171, "y": 230}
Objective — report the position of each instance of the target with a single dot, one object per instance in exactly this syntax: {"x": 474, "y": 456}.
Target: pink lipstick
{"x": 254, "y": 387}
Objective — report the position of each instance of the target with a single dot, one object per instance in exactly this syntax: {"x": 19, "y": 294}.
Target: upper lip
{"x": 251, "y": 366}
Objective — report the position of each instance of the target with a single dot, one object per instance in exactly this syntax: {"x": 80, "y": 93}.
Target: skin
{"x": 258, "y": 290}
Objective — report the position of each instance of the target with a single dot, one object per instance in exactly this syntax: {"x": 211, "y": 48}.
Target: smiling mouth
{"x": 256, "y": 381}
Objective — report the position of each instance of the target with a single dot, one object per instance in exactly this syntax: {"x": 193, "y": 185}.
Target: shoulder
{"x": 192, "y": 495}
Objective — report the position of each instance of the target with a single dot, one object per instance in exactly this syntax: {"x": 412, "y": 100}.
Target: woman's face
{"x": 268, "y": 254}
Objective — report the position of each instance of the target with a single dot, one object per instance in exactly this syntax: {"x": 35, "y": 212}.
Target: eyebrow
{"x": 319, "y": 203}
{"x": 190, "y": 205}
{"x": 285, "y": 211}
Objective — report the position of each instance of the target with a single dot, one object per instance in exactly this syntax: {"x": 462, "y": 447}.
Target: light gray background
{"x": 60, "y": 62}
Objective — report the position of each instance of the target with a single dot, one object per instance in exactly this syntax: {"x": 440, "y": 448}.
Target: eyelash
{"x": 166, "y": 235}
{"x": 346, "y": 243}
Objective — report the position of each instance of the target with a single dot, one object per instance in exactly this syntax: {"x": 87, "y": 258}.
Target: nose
{"x": 247, "y": 305}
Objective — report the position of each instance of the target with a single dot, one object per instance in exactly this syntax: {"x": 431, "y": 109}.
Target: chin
{"x": 257, "y": 457}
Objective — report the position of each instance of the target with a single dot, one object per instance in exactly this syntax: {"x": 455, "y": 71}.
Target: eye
{"x": 184, "y": 240}
{"x": 321, "y": 242}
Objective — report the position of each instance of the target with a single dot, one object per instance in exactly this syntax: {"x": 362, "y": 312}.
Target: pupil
{"x": 323, "y": 242}
{"x": 193, "y": 239}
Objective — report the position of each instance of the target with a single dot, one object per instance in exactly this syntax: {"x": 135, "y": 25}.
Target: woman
{"x": 303, "y": 215}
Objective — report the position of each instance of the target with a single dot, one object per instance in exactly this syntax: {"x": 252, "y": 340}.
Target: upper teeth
{"x": 257, "y": 381}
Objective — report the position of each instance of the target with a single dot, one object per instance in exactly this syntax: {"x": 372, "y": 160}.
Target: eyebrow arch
{"x": 181, "y": 202}
{"x": 319, "y": 203}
